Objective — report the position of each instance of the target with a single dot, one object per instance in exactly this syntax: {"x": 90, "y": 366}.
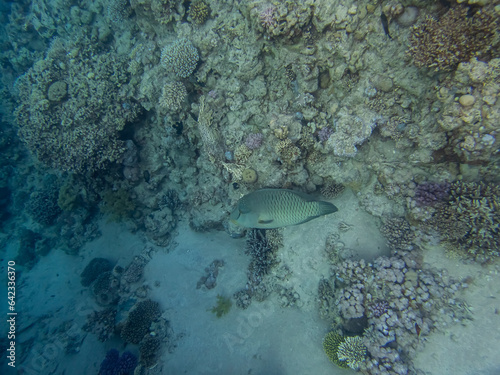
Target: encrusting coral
{"x": 77, "y": 131}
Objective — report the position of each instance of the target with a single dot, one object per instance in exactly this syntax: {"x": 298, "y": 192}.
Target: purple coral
{"x": 254, "y": 141}
{"x": 430, "y": 193}
{"x": 113, "y": 364}
{"x": 378, "y": 308}
{"x": 268, "y": 17}
{"x": 325, "y": 133}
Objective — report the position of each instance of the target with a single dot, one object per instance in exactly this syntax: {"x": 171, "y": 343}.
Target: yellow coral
{"x": 331, "y": 344}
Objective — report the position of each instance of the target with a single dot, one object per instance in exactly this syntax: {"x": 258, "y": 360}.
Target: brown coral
{"x": 77, "y": 129}
{"x": 199, "y": 12}
{"x": 456, "y": 37}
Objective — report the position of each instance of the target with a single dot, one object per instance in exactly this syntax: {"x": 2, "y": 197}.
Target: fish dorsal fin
{"x": 304, "y": 196}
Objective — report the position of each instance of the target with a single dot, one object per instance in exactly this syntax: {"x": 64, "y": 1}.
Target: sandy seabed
{"x": 263, "y": 339}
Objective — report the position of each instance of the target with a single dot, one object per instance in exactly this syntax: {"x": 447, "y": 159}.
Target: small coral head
{"x": 268, "y": 17}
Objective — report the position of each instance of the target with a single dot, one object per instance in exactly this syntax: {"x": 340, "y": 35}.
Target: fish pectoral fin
{"x": 262, "y": 221}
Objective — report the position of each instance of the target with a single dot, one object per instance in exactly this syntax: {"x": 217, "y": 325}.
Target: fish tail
{"x": 326, "y": 208}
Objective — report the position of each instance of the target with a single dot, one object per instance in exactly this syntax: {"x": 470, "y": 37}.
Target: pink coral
{"x": 254, "y": 141}
{"x": 268, "y": 17}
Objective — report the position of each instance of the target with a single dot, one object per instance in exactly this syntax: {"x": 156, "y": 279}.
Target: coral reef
{"x": 79, "y": 131}
{"x": 351, "y": 302}
{"x": 279, "y": 20}
{"x": 459, "y": 35}
{"x": 416, "y": 301}
{"x": 254, "y": 141}
{"x": 350, "y": 131}
{"x": 399, "y": 234}
{"x": 118, "y": 10}
{"x": 261, "y": 252}
{"x": 139, "y": 321}
{"x": 105, "y": 289}
{"x": 325, "y": 133}
{"x": 149, "y": 350}
{"x": 117, "y": 204}
{"x": 160, "y": 11}
{"x": 101, "y": 323}
{"x": 209, "y": 280}
{"x": 222, "y": 306}
{"x": 134, "y": 270}
{"x": 180, "y": 57}
{"x": 470, "y": 220}
{"x": 42, "y": 205}
{"x": 331, "y": 344}
{"x": 199, "y": 12}
{"x": 331, "y": 189}
{"x": 96, "y": 267}
{"x": 114, "y": 364}
{"x": 173, "y": 96}
{"x": 352, "y": 351}
{"x": 262, "y": 247}
{"x": 472, "y": 121}
{"x": 378, "y": 308}
{"x": 429, "y": 194}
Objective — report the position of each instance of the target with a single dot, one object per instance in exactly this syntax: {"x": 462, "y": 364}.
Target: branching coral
{"x": 456, "y": 37}
{"x": 139, "y": 321}
{"x": 199, "y": 12}
{"x": 479, "y": 206}
{"x": 398, "y": 233}
{"x": 180, "y": 57}
{"x": 352, "y": 351}
{"x": 172, "y": 96}
{"x": 471, "y": 218}
{"x": 331, "y": 344}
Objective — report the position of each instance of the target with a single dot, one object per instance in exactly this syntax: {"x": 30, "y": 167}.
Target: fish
{"x": 385, "y": 24}
{"x": 277, "y": 208}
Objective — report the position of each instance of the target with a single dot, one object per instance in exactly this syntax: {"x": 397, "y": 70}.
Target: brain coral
{"x": 78, "y": 131}
{"x": 180, "y": 57}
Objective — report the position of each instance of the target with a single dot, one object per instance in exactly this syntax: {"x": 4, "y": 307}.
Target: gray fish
{"x": 276, "y": 208}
